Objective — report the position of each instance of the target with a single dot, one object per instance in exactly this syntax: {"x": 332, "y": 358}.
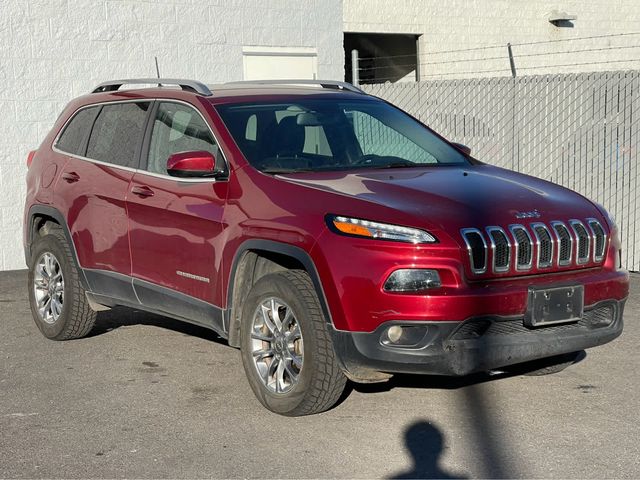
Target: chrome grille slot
{"x": 584, "y": 241}
{"x": 523, "y": 246}
{"x": 500, "y": 249}
{"x": 477, "y": 248}
{"x": 600, "y": 239}
{"x": 545, "y": 245}
{"x": 565, "y": 242}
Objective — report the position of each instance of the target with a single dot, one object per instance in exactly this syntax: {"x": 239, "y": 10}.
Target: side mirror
{"x": 192, "y": 165}
{"x": 463, "y": 148}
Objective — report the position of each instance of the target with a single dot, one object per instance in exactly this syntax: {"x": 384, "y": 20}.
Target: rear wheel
{"x": 286, "y": 348}
{"x": 58, "y": 302}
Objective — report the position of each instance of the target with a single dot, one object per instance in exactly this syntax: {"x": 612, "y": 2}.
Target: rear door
{"x": 91, "y": 192}
{"x": 176, "y": 223}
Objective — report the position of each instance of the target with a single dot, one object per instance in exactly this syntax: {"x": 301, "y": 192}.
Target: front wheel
{"x": 286, "y": 347}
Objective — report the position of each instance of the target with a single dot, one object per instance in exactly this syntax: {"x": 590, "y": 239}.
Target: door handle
{"x": 142, "y": 191}
{"x": 70, "y": 177}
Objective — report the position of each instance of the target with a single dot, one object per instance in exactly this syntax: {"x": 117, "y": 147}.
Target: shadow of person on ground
{"x": 425, "y": 443}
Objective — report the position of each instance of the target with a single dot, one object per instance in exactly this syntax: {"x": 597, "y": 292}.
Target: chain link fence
{"x": 579, "y": 130}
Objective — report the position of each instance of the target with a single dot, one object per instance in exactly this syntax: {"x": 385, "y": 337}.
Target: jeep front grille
{"x": 521, "y": 247}
{"x": 564, "y": 243}
{"x": 584, "y": 241}
{"x": 477, "y": 249}
{"x": 545, "y": 245}
{"x": 500, "y": 248}
{"x": 524, "y": 247}
{"x": 600, "y": 239}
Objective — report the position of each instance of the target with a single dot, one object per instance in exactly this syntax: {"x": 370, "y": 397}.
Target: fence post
{"x": 511, "y": 61}
{"x": 355, "y": 68}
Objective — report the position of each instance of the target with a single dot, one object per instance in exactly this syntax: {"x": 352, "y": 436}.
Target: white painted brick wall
{"x": 462, "y": 24}
{"x": 54, "y": 50}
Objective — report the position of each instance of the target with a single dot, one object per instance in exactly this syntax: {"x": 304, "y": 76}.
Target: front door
{"x": 175, "y": 223}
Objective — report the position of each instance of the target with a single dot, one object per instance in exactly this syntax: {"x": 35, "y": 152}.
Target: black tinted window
{"x": 117, "y": 133}
{"x": 74, "y": 134}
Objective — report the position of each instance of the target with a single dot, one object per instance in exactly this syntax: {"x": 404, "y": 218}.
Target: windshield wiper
{"x": 276, "y": 170}
{"x": 394, "y": 165}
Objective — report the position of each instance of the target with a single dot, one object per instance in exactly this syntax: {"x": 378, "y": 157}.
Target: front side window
{"x": 117, "y": 133}
{"x": 73, "y": 138}
{"x": 178, "y": 128}
{"x": 331, "y": 134}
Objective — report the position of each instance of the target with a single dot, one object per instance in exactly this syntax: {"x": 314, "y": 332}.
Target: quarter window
{"x": 178, "y": 128}
{"x": 117, "y": 133}
{"x": 74, "y": 136}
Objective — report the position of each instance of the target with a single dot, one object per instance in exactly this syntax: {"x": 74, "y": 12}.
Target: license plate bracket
{"x": 552, "y": 306}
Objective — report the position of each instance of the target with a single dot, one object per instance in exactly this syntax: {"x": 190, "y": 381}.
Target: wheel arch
{"x": 38, "y": 217}
{"x": 256, "y": 258}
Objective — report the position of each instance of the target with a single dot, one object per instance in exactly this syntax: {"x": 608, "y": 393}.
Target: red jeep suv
{"x": 323, "y": 231}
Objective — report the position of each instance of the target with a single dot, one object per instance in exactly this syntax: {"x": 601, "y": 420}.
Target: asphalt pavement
{"x": 148, "y": 397}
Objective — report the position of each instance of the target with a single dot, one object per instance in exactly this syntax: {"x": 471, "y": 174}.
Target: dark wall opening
{"x": 384, "y": 57}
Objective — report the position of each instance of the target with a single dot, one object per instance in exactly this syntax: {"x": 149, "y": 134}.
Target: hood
{"x": 444, "y": 197}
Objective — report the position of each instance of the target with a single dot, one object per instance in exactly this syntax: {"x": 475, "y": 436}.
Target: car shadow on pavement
{"x": 449, "y": 383}
{"x": 118, "y": 317}
{"x": 425, "y": 443}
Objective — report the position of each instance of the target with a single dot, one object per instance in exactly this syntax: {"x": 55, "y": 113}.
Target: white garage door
{"x": 264, "y": 63}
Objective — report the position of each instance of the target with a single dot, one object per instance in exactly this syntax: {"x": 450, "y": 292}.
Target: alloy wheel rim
{"x": 48, "y": 287}
{"x": 277, "y": 345}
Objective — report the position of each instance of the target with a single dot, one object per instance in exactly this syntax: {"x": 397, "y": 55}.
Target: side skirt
{"x": 112, "y": 289}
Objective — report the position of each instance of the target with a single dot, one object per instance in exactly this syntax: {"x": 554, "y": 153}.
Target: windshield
{"x": 328, "y": 134}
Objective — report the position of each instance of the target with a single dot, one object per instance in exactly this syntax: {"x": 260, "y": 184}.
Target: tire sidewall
{"x": 278, "y": 286}
{"x": 50, "y": 243}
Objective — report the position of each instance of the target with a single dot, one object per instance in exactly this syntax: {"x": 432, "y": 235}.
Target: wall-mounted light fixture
{"x": 561, "y": 19}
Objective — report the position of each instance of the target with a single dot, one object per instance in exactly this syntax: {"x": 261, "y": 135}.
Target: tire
{"x": 547, "y": 366}
{"x": 320, "y": 381}
{"x": 74, "y": 318}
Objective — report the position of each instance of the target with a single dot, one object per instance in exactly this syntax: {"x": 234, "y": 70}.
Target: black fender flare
{"x": 54, "y": 213}
{"x": 270, "y": 246}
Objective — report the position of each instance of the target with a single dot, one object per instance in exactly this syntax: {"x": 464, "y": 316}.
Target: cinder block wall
{"x": 54, "y": 50}
{"x": 468, "y": 24}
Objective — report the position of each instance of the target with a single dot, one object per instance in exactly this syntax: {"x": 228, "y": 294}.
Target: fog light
{"x": 412, "y": 280}
{"x": 394, "y": 333}
{"x": 404, "y": 336}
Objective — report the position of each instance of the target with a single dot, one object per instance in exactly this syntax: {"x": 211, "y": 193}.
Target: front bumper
{"x": 477, "y": 344}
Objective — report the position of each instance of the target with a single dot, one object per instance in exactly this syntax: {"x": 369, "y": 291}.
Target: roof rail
{"x": 332, "y": 84}
{"x": 188, "y": 85}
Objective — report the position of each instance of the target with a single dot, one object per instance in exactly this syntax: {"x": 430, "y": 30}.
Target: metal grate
{"x": 524, "y": 247}
{"x": 500, "y": 249}
{"x": 584, "y": 241}
{"x": 598, "y": 317}
{"x": 564, "y": 243}
{"x": 545, "y": 245}
{"x": 600, "y": 239}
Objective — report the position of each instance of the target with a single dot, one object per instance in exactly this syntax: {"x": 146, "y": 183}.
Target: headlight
{"x": 365, "y": 228}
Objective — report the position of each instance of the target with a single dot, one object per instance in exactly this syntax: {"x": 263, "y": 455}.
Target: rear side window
{"x": 75, "y": 133}
{"x": 117, "y": 133}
